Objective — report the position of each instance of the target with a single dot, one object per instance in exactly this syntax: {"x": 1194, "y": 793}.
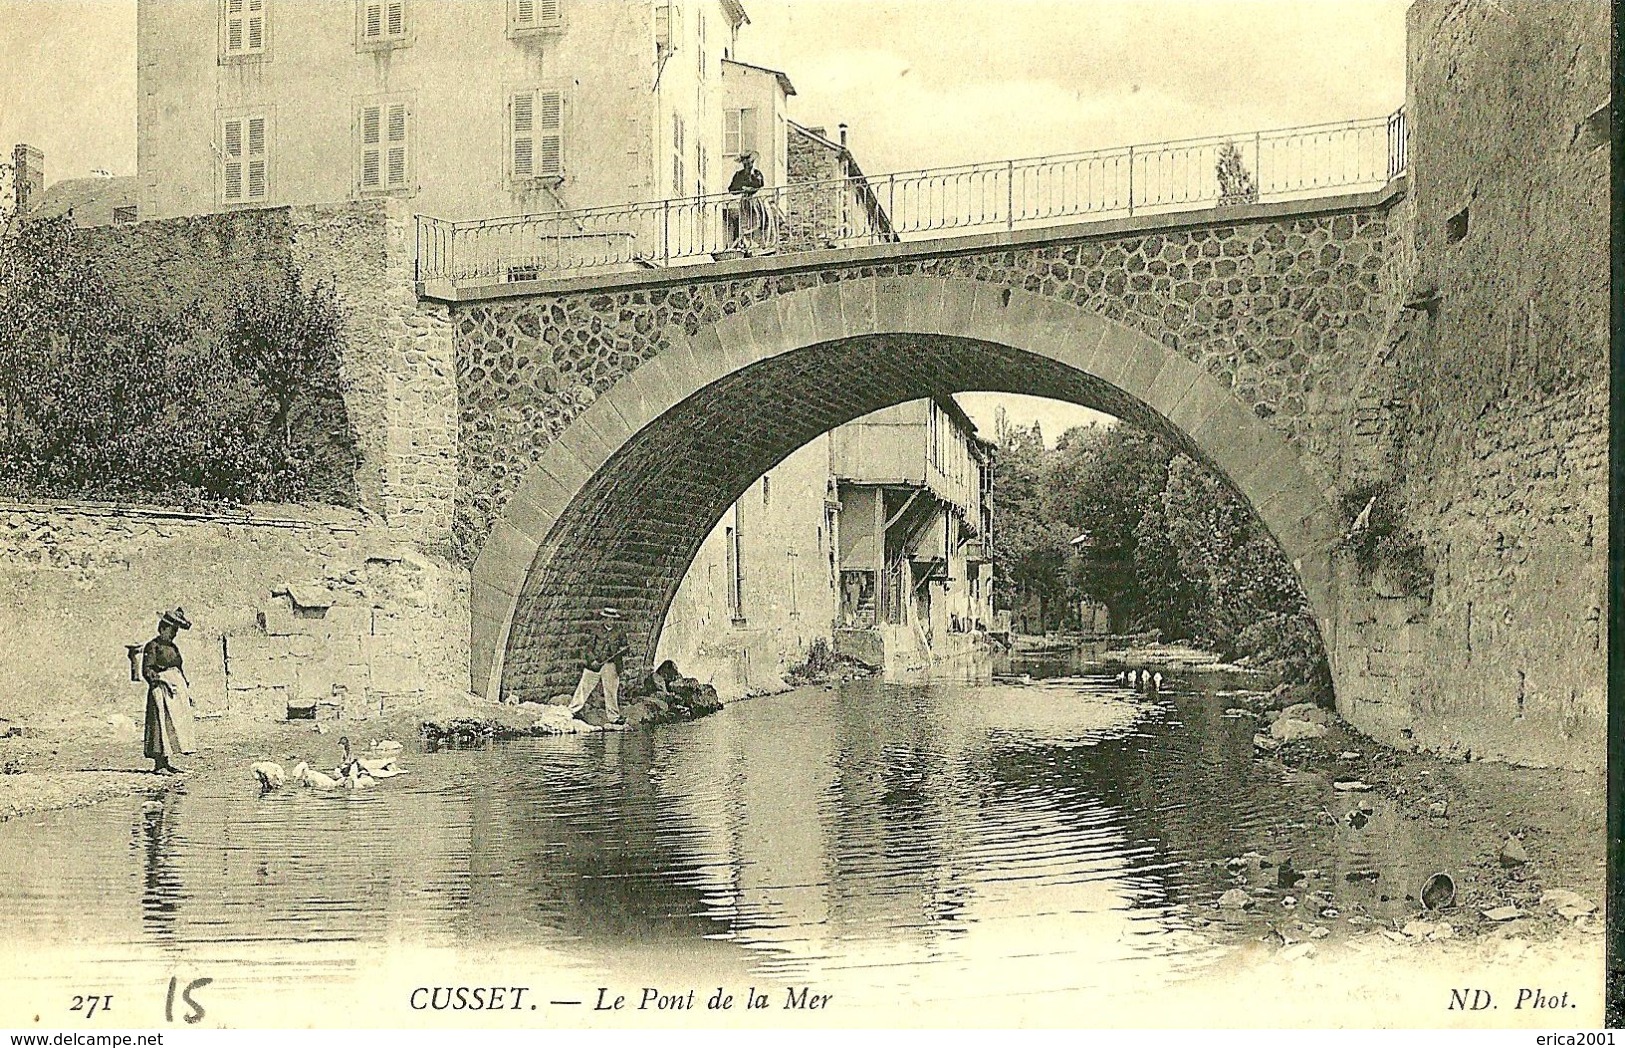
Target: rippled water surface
{"x": 910, "y": 843}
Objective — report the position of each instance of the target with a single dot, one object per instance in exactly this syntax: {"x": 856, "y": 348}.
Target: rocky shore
{"x": 1410, "y": 847}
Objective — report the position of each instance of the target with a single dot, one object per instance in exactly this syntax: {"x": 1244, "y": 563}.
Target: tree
{"x": 289, "y": 339}
{"x": 1032, "y": 547}
{"x": 1235, "y": 181}
{"x": 101, "y": 399}
{"x": 1169, "y": 546}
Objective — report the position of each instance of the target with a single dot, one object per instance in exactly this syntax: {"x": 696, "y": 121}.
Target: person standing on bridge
{"x": 601, "y": 664}
{"x": 750, "y": 213}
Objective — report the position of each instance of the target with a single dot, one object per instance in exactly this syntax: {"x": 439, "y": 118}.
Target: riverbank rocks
{"x": 1235, "y": 899}
{"x": 1292, "y": 730}
{"x": 1512, "y": 853}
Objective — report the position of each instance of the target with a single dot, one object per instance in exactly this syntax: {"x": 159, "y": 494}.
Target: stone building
{"x": 874, "y": 536}
{"x": 469, "y": 110}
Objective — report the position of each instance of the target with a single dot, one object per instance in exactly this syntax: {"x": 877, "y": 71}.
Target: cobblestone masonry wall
{"x": 317, "y": 606}
{"x": 1283, "y": 313}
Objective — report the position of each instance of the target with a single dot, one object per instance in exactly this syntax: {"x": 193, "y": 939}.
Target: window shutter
{"x": 397, "y": 146}
{"x": 256, "y": 25}
{"x": 234, "y": 26}
{"x": 524, "y": 14}
{"x": 547, "y": 11}
{"x": 550, "y": 136}
{"x": 747, "y": 131}
{"x": 397, "y": 18}
{"x": 371, "y": 164}
{"x": 372, "y": 25}
{"x": 730, "y": 132}
{"x": 257, "y": 174}
{"x": 232, "y": 148}
{"x": 523, "y": 115}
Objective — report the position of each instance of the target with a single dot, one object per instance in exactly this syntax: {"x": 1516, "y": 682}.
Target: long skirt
{"x": 169, "y": 717}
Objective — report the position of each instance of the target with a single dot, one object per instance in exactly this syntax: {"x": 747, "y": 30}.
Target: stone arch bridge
{"x": 606, "y": 421}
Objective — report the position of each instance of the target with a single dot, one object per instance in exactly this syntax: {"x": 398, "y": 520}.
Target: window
{"x": 678, "y": 179}
{"x": 385, "y": 160}
{"x": 536, "y": 135}
{"x": 244, "y": 27}
{"x": 382, "y": 23}
{"x": 738, "y": 132}
{"x": 703, "y": 174}
{"x": 529, "y": 16}
{"x": 736, "y": 569}
{"x": 699, "y": 45}
{"x": 123, "y": 216}
{"x": 668, "y": 28}
{"x": 245, "y": 175}
{"x": 767, "y": 490}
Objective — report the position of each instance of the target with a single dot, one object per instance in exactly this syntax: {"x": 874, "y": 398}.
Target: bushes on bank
{"x": 102, "y": 400}
{"x": 1167, "y": 547}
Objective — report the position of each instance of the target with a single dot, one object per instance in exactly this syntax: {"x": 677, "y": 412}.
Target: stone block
{"x": 1234, "y": 438}
{"x": 1277, "y": 471}
{"x": 505, "y": 559}
{"x": 351, "y": 679}
{"x": 986, "y": 318}
{"x": 922, "y": 309}
{"x": 1114, "y": 353}
{"x": 857, "y": 307}
{"x": 956, "y": 301}
{"x": 593, "y": 436}
{"x": 1024, "y": 316}
{"x": 738, "y": 348}
{"x": 765, "y": 331}
{"x": 1175, "y": 380}
{"x": 259, "y": 703}
{"x": 824, "y": 305}
{"x": 1203, "y": 399}
{"x": 710, "y": 358}
{"x": 349, "y": 620}
{"x": 279, "y": 619}
{"x": 1390, "y": 664}
{"x": 891, "y": 303}
{"x": 532, "y": 519}
{"x": 796, "y": 327}
{"x": 313, "y": 680}
{"x": 1141, "y": 370}
{"x": 393, "y": 671}
{"x": 357, "y": 704}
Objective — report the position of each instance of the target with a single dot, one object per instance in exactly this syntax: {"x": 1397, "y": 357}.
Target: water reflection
{"x": 161, "y": 882}
{"x": 920, "y": 841}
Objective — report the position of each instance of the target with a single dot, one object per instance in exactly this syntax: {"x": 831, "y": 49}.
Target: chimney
{"x": 843, "y": 134}
{"x": 28, "y": 174}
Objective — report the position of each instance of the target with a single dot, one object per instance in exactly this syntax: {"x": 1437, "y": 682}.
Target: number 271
{"x": 89, "y": 1005}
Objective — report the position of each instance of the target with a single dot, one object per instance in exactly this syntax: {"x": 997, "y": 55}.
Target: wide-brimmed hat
{"x": 610, "y": 613}
{"x": 747, "y": 155}
{"x": 176, "y": 618}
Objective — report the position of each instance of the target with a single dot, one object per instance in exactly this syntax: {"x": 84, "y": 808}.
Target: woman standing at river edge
{"x": 169, "y": 695}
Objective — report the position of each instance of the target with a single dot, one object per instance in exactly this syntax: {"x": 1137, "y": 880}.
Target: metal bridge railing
{"x": 1166, "y": 177}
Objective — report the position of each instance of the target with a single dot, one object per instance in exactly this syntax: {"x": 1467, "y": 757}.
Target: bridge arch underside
{"x": 630, "y": 532}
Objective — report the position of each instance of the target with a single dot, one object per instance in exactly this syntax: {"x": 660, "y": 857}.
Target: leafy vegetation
{"x": 105, "y": 401}
{"x": 1379, "y": 541}
{"x": 1161, "y": 541}
{"x": 1236, "y": 184}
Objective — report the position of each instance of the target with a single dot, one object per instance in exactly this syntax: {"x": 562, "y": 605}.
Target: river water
{"x": 911, "y": 844}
